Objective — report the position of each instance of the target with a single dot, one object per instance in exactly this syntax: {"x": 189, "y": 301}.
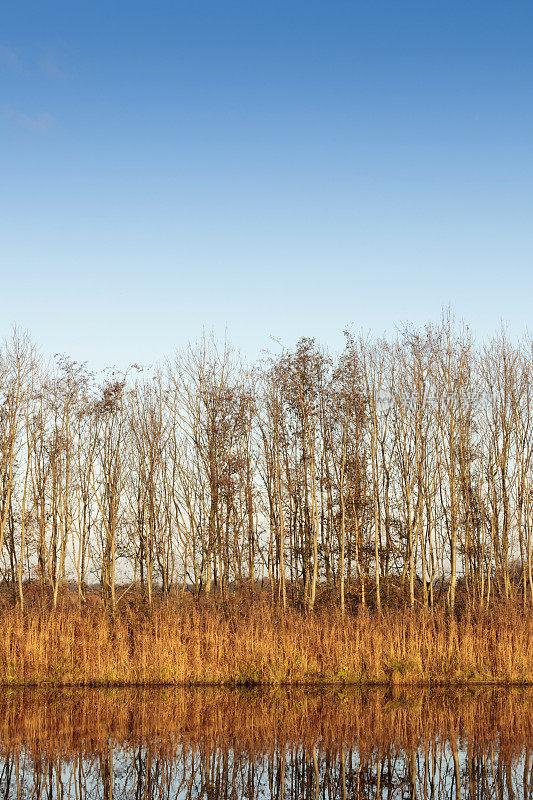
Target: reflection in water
{"x": 217, "y": 744}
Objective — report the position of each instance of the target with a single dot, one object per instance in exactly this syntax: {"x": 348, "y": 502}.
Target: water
{"x": 221, "y": 744}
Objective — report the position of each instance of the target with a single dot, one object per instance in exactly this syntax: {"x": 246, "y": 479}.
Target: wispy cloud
{"x": 10, "y": 59}
{"x": 47, "y": 62}
{"x": 51, "y": 68}
{"x": 40, "y": 124}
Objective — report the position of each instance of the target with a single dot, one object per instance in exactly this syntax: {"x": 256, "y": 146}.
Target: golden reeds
{"x": 192, "y": 643}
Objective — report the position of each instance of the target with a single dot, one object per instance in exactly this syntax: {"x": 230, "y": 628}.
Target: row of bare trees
{"x": 398, "y": 471}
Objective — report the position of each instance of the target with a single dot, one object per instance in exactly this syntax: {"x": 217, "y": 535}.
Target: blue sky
{"x": 273, "y": 169}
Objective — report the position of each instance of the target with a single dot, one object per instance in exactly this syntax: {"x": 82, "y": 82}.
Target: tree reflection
{"x": 422, "y": 754}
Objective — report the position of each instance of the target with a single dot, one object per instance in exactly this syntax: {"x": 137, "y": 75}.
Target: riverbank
{"x": 255, "y": 643}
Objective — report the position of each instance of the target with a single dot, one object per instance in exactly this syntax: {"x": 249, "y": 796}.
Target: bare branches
{"x": 399, "y": 471}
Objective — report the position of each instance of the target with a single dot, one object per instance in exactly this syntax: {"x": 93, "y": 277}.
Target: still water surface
{"x": 220, "y": 744}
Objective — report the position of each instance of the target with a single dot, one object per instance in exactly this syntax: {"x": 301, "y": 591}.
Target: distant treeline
{"x": 398, "y": 471}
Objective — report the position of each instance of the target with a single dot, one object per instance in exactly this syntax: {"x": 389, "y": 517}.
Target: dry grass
{"x": 193, "y": 643}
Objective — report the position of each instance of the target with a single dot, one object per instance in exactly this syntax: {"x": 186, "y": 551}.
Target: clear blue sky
{"x": 273, "y": 168}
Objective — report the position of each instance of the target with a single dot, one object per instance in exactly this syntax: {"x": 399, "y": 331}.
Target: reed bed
{"x": 256, "y": 643}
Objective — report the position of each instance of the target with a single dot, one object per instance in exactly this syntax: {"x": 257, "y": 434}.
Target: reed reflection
{"x": 221, "y": 745}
